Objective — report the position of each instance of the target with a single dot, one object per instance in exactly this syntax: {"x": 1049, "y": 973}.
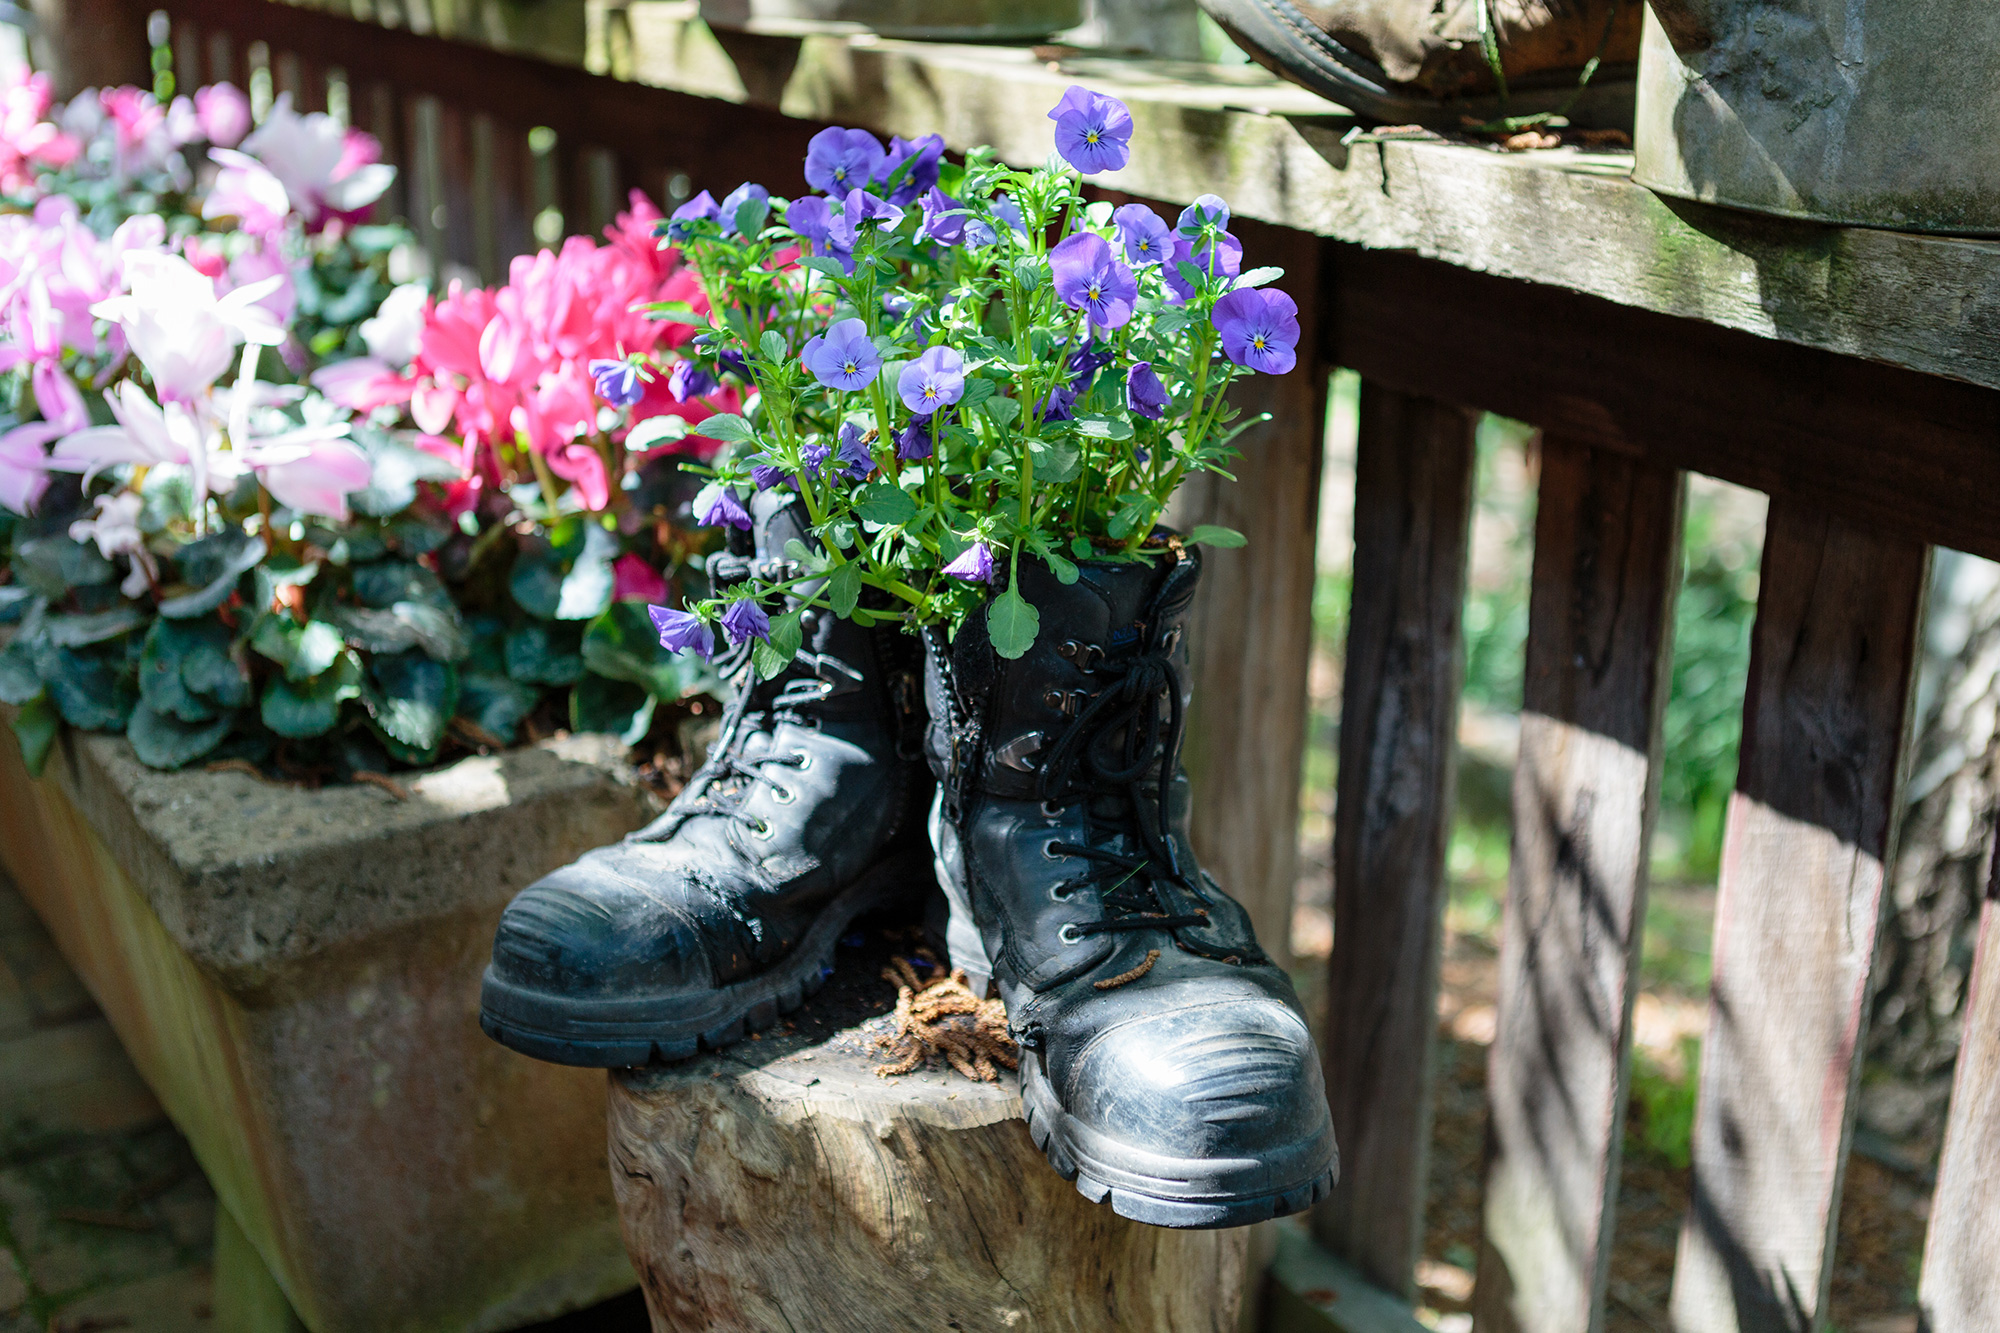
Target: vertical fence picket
{"x": 187, "y": 55}
{"x": 222, "y": 65}
{"x": 1250, "y": 651}
{"x": 1600, "y": 641}
{"x": 1398, "y": 741}
{"x": 1960, "y": 1288}
{"x": 1811, "y": 826}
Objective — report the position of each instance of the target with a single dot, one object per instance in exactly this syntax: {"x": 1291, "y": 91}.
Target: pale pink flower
{"x": 115, "y": 529}
{"x": 259, "y": 264}
{"x": 395, "y": 333}
{"x": 362, "y": 384}
{"x": 24, "y": 465}
{"x": 27, "y": 138}
{"x": 224, "y": 113}
{"x": 311, "y": 470}
{"x": 245, "y": 189}
{"x": 311, "y": 155}
{"x": 177, "y": 326}
{"x": 146, "y": 434}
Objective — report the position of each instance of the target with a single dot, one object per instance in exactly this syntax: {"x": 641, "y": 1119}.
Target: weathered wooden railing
{"x": 1851, "y": 375}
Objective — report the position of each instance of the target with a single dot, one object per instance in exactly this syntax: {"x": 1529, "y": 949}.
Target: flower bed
{"x": 265, "y": 497}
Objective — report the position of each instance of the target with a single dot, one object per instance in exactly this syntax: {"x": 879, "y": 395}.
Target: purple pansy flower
{"x": 1093, "y": 132}
{"x": 1009, "y": 212}
{"x": 913, "y": 442}
{"x": 944, "y": 218}
{"x": 744, "y": 621}
{"x": 701, "y": 208}
{"x": 840, "y": 160}
{"x": 974, "y": 564}
{"x": 860, "y": 208}
{"x": 717, "y": 504}
{"x": 1059, "y": 404}
{"x": 734, "y": 201}
{"x": 1084, "y": 363}
{"x": 901, "y": 304}
{"x": 617, "y": 382}
{"x": 1225, "y": 257}
{"x": 935, "y": 379}
{"x": 681, "y": 632}
{"x": 843, "y": 357}
{"x": 1145, "y": 234}
{"x": 1207, "y": 210}
{"x": 854, "y": 461}
{"x": 689, "y": 380}
{"x": 923, "y": 155}
{"x": 814, "y": 456}
{"x": 1144, "y": 393}
{"x": 816, "y": 221}
{"x": 1259, "y": 328}
{"x": 1090, "y": 279}
{"x": 767, "y": 475}
{"x": 727, "y": 357}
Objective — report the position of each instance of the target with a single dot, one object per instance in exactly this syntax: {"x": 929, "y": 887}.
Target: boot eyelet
{"x": 804, "y": 758}
{"x": 1051, "y": 810}
{"x": 1049, "y": 851}
{"x": 783, "y": 795}
{"x": 761, "y": 829}
{"x": 1069, "y": 934}
{"x": 1061, "y": 893}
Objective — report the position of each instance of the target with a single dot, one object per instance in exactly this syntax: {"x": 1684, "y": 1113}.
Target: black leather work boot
{"x": 1165, "y": 1062}
{"x": 723, "y": 913}
{"x": 1430, "y": 62}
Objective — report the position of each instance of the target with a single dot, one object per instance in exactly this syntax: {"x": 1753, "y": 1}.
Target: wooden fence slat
{"x": 1811, "y": 826}
{"x": 1960, "y": 1288}
{"x": 1586, "y": 786}
{"x": 1398, "y": 739}
{"x": 1251, "y": 648}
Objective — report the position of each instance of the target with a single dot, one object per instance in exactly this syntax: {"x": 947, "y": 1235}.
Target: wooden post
{"x": 1960, "y": 1289}
{"x": 1811, "y": 826}
{"x": 1398, "y": 739}
{"x": 783, "y": 1185}
{"x": 1586, "y": 786}
{"x": 1251, "y": 628}
{"x": 91, "y": 43}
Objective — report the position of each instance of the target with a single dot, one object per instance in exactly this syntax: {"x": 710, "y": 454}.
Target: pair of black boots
{"x": 1165, "y": 1063}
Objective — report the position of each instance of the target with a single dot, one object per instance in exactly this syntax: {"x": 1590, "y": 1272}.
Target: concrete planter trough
{"x": 296, "y": 973}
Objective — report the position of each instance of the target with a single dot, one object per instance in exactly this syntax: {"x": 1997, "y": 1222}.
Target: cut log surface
{"x": 784, "y": 1185}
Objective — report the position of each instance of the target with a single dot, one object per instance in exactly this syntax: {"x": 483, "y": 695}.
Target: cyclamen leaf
{"x": 77, "y": 631}
{"x": 885, "y": 503}
{"x": 35, "y": 729}
{"x": 1210, "y": 534}
{"x": 412, "y": 700}
{"x": 1011, "y": 623}
{"x": 615, "y": 706}
{"x": 18, "y": 681}
{"x": 726, "y": 426}
{"x": 494, "y": 703}
{"x": 843, "y": 589}
{"x": 162, "y": 740}
{"x": 298, "y": 709}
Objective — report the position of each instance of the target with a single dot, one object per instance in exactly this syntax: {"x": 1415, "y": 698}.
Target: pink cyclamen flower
{"x": 224, "y": 114}
{"x": 312, "y": 470}
{"x": 176, "y": 324}
{"x": 27, "y": 138}
{"x": 24, "y": 465}
{"x": 325, "y": 169}
{"x": 633, "y": 580}
{"x": 246, "y": 189}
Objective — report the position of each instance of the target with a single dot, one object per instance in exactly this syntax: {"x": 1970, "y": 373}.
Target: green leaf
{"x": 843, "y": 589}
{"x": 383, "y": 583}
{"x": 303, "y": 708}
{"x": 977, "y": 390}
{"x": 79, "y": 631}
{"x": 1210, "y": 534}
{"x": 534, "y": 657}
{"x": 495, "y": 703}
{"x": 772, "y": 655}
{"x": 1105, "y": 428}
{"x": 1081, "y": 548}
{"x": 1133, "y": 510}
{"x": 536, "y": 583}
{"x": 173, "y": 647}
{"x": 726, "y": 426}
{"x": 1257, "y": 277}
{"x": 35, "y": 730}
{"x": 90, "y": 689}
{"x": 832, "y": 268}
{"x": 51, "y": 566}
{"x": 162, "y": 740}
{"x": 656, "y": 430}
{"x": 772, "y": 345}
{"x": 885, "y": 503}
{"x": 1002, "y": 412}
{"x": 411, "y": 698}
{"x": 18, "y": 679}
{"x": 549, "y": 587}
{"x": 437, "y": 630}
{"x": 1055, "y": 463}
{"x": 215, "y": 563}
{"x": 750, "y": 216}
{"x": 615, "y": 706}
{"x": 1012, "y": 624}
{"x": 622, "y": 644}
{"x": 396, "y": 468}
{"x": 676, "y": 312}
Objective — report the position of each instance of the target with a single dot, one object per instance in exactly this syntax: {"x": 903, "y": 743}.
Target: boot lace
{"x": 1103, "y": 759}
{"x": 722, "y": 785}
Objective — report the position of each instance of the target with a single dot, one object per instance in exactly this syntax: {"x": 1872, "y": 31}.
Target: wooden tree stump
{"x": 783, "y": 1185}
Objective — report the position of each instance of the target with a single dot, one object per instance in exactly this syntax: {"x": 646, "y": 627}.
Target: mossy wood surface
{"x": 394, "y": 1168}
